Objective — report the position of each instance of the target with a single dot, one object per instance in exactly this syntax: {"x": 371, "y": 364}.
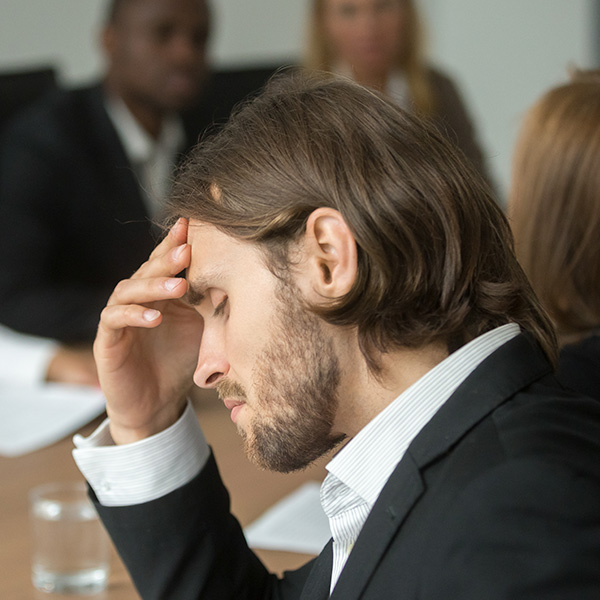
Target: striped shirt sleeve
{"x": 145, "y": 470}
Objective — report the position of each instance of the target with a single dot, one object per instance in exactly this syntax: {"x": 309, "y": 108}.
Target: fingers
{"x": 119, "y": 317}
{"x": 129, "y": 303}
{"x": 127, "y": 307}
{"x": 171, "y": 256}
{"x": 150, "y": 289}
{"x": 115, "y": 319}
{"x": 176, "y": 236}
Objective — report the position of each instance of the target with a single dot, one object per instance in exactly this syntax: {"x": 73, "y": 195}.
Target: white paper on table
{"x": 295, "y": 524}
{"x": 32, "y": 417}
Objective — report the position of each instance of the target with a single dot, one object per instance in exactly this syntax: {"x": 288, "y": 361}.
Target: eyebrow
{"x": 195, "y": 294}
{"x": 198, "y": 287}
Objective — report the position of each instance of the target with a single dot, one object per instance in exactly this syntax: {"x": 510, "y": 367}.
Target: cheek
{"x": 244, "y": 338}
{"x": 341, "y": 37}
{"x": 138, "y": 67}
{"x": 394, "y": 31}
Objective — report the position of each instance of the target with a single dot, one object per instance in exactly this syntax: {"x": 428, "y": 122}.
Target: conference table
{"x": 252, "y": 492}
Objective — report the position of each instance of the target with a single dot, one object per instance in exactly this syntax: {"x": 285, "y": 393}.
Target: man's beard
{"x": 295, "y": 384}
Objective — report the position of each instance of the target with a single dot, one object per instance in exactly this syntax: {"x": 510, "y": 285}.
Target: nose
{"x": 368, "y": 25}
{"x": 212, "y": 363}
{"x": 187, "y": 50}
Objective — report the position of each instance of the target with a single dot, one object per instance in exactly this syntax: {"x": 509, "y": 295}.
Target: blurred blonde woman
{"x": 379, "y": 43}
{"x": 554, "y": 206}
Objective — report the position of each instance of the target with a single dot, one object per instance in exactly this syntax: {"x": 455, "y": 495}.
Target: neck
{"x": 363, "y": 395}
{"x": 374, "y": 80}
{"x": 149, "y": 117}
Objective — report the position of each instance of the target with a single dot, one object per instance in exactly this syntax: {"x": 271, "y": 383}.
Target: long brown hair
{"x": 435, "y": 259}
{"x": 555, "y": 203}
{"x": 411, "y": 55}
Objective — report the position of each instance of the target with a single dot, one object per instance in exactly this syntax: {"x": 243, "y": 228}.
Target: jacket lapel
{"x": 513, "y": 366}
{"x": 400, "y": 494}
{"x": 128, "y": 202}
{"x": 319, "y": 580}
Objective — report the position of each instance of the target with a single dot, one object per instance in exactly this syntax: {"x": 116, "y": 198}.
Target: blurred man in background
{"x": 84, "y": 171}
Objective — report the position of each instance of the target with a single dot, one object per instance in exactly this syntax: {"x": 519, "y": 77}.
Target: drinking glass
{"x": 71, "y": 549}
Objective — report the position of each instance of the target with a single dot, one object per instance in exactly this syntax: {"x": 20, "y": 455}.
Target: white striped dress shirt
{"x": 145, "y": 470}
{"x": 358, "y": 473}
{"x": 152, "y": 160}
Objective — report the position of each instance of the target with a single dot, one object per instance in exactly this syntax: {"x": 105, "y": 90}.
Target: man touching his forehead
{"x": 349, "y": 284}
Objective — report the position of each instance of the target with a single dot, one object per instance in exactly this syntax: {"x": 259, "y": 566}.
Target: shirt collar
{"x": 397, "y": 89}
{"x": 366, "y": 462}
{"x": 138, "y": 144}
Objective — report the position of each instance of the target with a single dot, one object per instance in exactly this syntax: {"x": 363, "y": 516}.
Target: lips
{"x": 231, "y": 403}
{"x": 234, "y": 406}
{"x": 182, "y": 83}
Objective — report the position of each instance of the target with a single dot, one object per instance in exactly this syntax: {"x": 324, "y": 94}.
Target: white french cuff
{"x": 144, "y": 470}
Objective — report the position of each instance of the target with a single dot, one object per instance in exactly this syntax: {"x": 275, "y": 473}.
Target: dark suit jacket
{"x": 498, "y": 497}
{"x": 73, "y": 219}
{"x": 579, "y": 366}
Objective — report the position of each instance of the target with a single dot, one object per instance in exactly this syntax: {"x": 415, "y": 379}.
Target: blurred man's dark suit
{"x": 74, "y": 218}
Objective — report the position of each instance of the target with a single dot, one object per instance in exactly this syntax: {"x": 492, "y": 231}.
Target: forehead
{"x": 334, "y": 5}
{"x": 152, "y": 11}
{"x": 219, "y": 260}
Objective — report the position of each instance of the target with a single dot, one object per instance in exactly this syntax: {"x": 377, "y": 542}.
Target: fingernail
{"x": 175, "y": 227}
{"x": 177, "y": 252}
{"x": 171, "y": 284}
{"x": 181, "y": 221}
{"x": 151, "y": 315}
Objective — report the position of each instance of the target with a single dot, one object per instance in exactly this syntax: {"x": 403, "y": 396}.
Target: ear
{"x": 108, "y": 40}
{"x": 330, "y": 253}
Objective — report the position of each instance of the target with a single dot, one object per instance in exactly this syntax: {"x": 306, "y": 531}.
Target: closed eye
{"x": 220, "y": 309}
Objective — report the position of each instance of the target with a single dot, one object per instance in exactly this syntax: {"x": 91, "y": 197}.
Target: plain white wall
{"x": 503, "y": 54}
{"x": 65, "y": 32}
